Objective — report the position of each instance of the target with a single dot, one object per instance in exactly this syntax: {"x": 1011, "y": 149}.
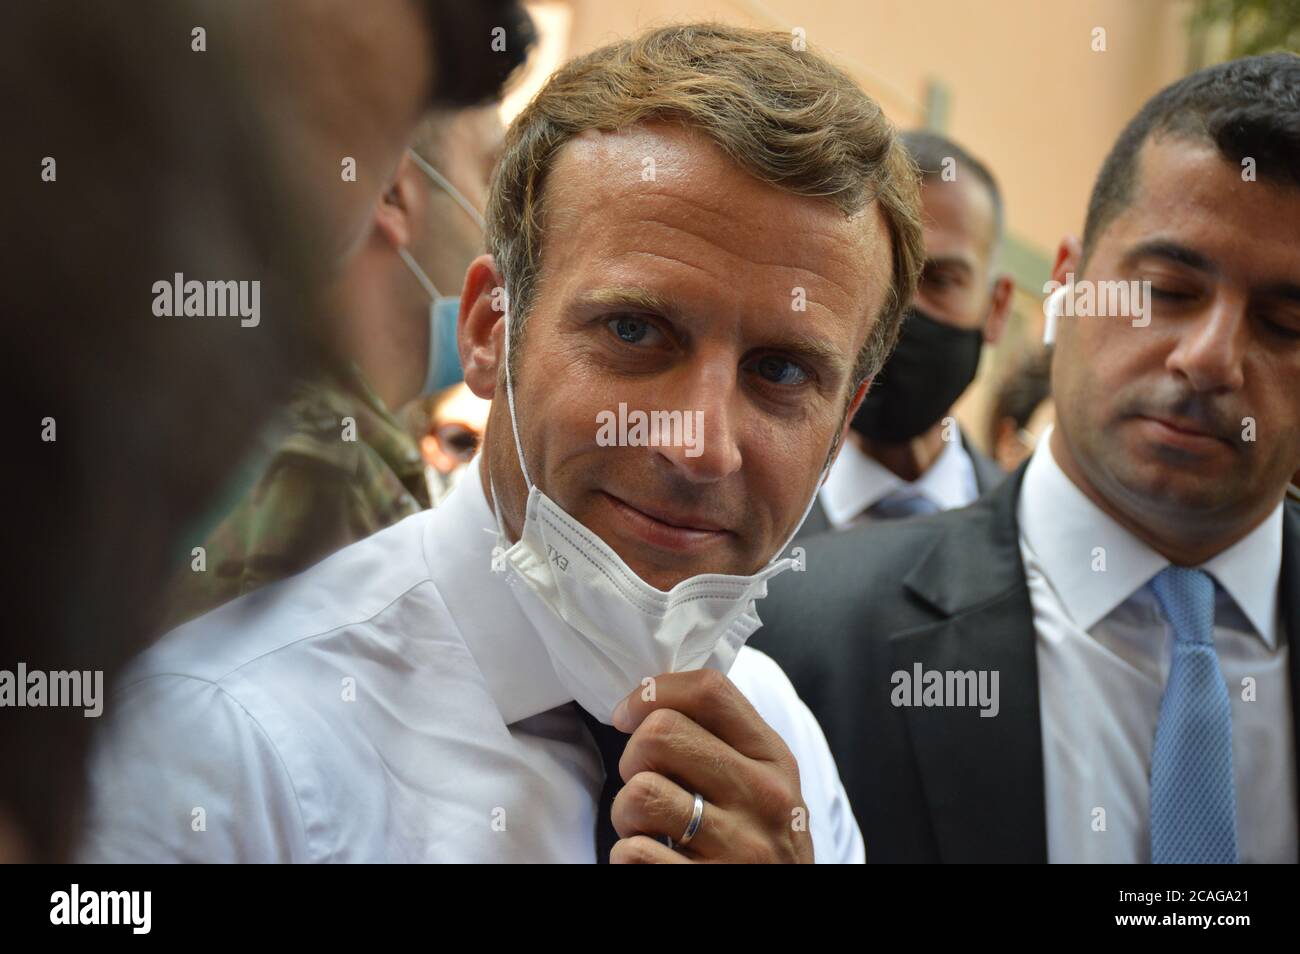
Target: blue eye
{"x": 779, "y": 370}
{"x": 629, "y": 329}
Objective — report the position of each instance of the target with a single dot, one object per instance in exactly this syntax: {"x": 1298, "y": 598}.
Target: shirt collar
{"x": 1072, "y": 538}
{"x": 503, "y": 640}
{"x": 857, "y": 482}
{"x": 1250, "y": 571}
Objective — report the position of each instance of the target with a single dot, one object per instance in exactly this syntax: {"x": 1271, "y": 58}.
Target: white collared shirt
{"x": 391, "y": 703}
{"x": 858, "y": 481}
{"x": 1104, "y": 651}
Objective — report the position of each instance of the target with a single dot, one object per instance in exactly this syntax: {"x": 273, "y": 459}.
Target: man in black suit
{"x": 1091, "y": 663}
{"x": 905, "y": 454}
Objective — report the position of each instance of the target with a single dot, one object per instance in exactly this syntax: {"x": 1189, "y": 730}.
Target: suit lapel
{"x": 1289, "y": 596}
{"x": 982, "y": 776}
{"x": 987, "y": 473}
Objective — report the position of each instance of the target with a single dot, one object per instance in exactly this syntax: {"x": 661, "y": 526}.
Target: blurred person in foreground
{"x": 478, "y": 682}
{"x": 1093, "y": 662}
{"x": 1022, "y": 412}
{"x": 339, "y": 465}
{"x": 132, "y": 425}
{"x": 905, "y": 454}
{"x": 216, "y": 158}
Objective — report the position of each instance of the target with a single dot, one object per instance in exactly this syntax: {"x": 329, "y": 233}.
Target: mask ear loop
{"x": 445, "y": 184}
{"x": 420, "y": 275}
{"x": 826, "y": 469}
{"x": 510, "y": 396}
{"x": 514, "y": 422}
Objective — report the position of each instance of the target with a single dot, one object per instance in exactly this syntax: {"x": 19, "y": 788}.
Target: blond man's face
{"x": 673, "y": 281}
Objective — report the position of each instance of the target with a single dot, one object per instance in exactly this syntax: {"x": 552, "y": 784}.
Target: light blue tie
{"x": 1193, "y": 795}
{"x": 895, "y": 507}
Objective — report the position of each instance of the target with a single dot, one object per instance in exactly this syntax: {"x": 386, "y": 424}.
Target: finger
{"x": 672, "y": 744}
{"x": 650, "y": 804}
{"x": 711, "y": 700}
{"x": 745, "y": 797}
{"x": 643, "y": 850}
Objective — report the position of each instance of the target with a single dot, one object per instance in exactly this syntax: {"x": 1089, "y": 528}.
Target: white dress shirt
{"x": 391, "y": 703}
{"x": 1103, "y": 654}
{"x": 858, "y": 481}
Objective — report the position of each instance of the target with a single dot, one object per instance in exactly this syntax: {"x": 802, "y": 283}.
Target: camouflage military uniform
{"x": 319, "y": 492}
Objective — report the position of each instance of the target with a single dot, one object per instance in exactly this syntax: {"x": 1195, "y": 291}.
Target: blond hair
{"x": 787, "y": 116}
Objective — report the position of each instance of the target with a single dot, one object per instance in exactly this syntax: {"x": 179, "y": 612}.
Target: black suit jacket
{"x": 987, "y": 476}
{"x": 946, "y": 591}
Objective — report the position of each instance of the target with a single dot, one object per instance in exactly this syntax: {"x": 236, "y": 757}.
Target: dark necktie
{"x": 611, "y": 743}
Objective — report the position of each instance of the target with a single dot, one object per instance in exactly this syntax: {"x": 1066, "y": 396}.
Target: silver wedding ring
{"x": 693, "y": 826}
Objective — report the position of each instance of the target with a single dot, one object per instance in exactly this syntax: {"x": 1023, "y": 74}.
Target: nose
{"x": 1211, "y": 347}
{"x": 707, "y": 392}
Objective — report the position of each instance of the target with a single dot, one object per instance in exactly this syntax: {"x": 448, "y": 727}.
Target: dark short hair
{"x": 1246, "y": 107}
{"x": 929, "y": 149}
{"x": 467, "y": 70}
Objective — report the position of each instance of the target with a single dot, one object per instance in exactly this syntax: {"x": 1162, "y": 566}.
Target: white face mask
{"x": 618, "y": 629}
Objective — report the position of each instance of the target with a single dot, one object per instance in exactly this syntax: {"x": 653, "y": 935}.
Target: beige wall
{"x": 1027, "y": 93}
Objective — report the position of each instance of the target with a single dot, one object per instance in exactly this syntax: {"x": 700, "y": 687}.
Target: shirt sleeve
{"x": 183, "y": 773}
{"x": 836, "y": 836}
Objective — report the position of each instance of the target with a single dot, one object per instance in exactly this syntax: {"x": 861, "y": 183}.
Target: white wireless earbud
{"x": 1052, "y": 312}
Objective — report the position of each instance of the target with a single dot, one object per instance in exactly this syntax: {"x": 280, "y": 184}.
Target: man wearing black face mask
{"x": 901, "y": 459}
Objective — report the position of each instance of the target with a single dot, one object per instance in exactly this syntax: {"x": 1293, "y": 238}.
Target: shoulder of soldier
{"x": 297, "y": 513}
{"x": 319, "y": 427}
